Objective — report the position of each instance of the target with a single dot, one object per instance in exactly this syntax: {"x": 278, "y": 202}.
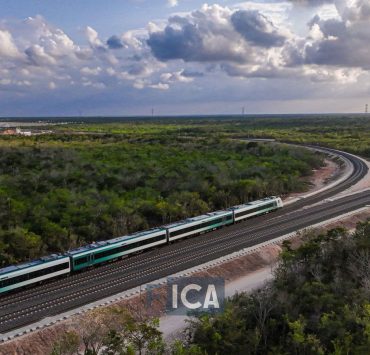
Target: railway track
{"x": 30, "y": 305}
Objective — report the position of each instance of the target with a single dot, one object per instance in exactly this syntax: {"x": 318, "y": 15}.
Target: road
{"x": 56, "y": 297}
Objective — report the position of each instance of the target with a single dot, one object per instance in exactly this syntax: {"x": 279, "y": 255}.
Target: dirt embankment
{"x": 320, "y": 178}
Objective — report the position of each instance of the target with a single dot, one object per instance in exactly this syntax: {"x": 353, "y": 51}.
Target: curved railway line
{"x": 30, "y": 305}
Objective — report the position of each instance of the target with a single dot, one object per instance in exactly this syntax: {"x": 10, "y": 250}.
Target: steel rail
{"x": 52, "y": 298}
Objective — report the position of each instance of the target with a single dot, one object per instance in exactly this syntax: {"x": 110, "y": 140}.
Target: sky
{"x": 183, "y": 57}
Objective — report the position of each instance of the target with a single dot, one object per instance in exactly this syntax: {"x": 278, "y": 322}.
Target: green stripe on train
{"x": 114, "y": 256}
{"x": 213, "y": 226}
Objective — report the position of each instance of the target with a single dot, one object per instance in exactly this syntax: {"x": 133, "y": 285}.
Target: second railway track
{"x": 55, "y": 297}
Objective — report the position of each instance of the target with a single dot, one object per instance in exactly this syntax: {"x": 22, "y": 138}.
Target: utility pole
{"x": 366, "y": 108}
{"x": 152, "y": 112}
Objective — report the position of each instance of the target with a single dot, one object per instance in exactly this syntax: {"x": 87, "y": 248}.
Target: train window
{"x": 49, "y": 270}
{"x": 124, "y": 248}
{"x": 201, "y": 226}
{"x": 82, "y": 260}
{"x": 186, "y": 230}
{"x": 34, "y": 274}
{"x": 14, "y": 280}
{"x": 109, "y": 252}
{"x": 253, "y": 210}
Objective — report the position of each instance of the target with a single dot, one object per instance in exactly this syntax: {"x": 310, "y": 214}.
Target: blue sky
{"x": 123, "y": 57}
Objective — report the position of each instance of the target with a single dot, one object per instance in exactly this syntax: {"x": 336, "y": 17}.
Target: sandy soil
{"x": 325, "y": 175}
{"x": 319, "y": 179}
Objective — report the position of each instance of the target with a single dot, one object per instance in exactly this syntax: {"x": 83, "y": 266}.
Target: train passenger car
{"x": 17, "y": 276}
{"x": 256, "y": 208}
{"x": 199, "y": 224}
{"x": 101, "y": 252}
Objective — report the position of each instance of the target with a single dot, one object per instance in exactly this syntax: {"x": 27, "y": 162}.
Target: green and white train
{"x": 56, "y": 265}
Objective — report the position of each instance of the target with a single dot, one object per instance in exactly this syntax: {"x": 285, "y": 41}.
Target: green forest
{"x": 347, "y": 132}
{"x": 94, "y": 182}
{"x": 317, "y": 303}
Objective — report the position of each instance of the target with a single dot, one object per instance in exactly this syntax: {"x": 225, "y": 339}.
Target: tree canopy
{"x": 64, "y": 190}
{"x": 318, "y": 303}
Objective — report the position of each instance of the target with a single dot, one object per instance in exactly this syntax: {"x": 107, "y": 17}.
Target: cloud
{"x": 172, "y": 3}
{"x": 52, "y": 85}
{"x": 267, "y": 70}
{"x": 185, "y": 43}
{"x": 159, "y": 86}
{"x": 53, "y": 41}
{"x": 243, "y": 43}
{"x": 312, "y": 2}
{"x": 93, "y": 38}
{"x": 353, "y": 10}
{"x": 225, "y": 52}
{"x": 38, "y": 56}
{"x": 257, "y": 29}
{"x": 8, "y": 48}
{"x": 114, "y": 42}
{"x": 176, "y": 77}
{"x": 91, "y": 71}
{"x": 192, "y": 73}
{"x": 328, "y": 28}
{"x": 35, "y": 53}
{"x": 337, "y": 42}
{"x": 215, "y": 34}
{"x": 348, "y": 9}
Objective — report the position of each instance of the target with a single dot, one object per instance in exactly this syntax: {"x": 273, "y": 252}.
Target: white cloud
{"x": 5, "y": 81}
{"x": 175, "y": 77}
{"x": 159, "y": 86}
{"x": 93, "y": 38}
{"x": 91, "y": 71}
{"x": 7, "y": 46}
{"x": 214, "y": 47}
{"x": 38, "y": 56}
{"x": 211, "y": 35}
{"x": 353, "y": 10}
{"x": 172, "y": 3}
{"x": 338, "y": 42}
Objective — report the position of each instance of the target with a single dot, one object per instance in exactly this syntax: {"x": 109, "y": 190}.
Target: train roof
{"x": 253, "y": 203}
{"x": 43, "y": 260}
{"x": 104, "y": 243}
{"x": 197, "y": 218}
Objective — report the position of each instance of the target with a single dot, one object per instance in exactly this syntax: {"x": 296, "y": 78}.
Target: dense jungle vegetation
{"x": 97, "y": 181}
{"x": 347, "y": 132}
{"x": 318, "y": 303}
{"x": 105, "y": 177}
